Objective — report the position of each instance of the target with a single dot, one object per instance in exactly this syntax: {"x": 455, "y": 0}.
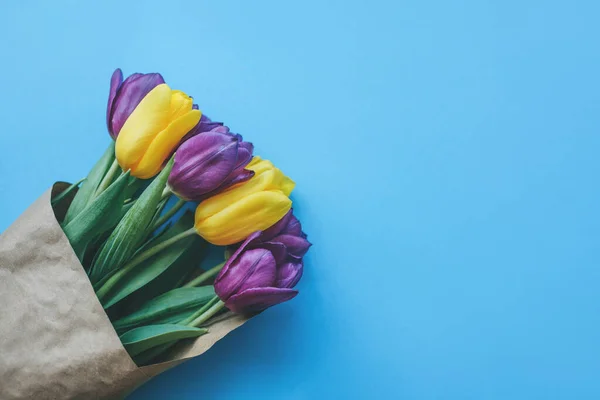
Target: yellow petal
{"x": 149, "y": 118}
{"x": 260, "y": 166}
{"x": 217, "y": 203}
{"x": 287, "y": 185}
{"x": 281, "y": 181}
{"x": 181, "y": 103}
{"x": 254, "y": 161}
{"x": 164, "y": 144}
{"x": 236, "y": 222}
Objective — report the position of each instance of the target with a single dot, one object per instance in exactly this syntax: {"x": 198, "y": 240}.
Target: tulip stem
{"x": 166, "y": 193}
{"x": 205, "y": 276}
{"x": 217, "y": 306}
{"x": 199, "y": 317}
{"x": 137, "y": 260}
{"x": 200, "y": 311}
{"x": 167, "y": 216}
{"x": 150, "y": 354}
{"x": 108, "y": 178}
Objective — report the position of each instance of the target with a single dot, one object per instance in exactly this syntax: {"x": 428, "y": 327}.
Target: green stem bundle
{"x": 205, "y": 276}
{"x": 168, "y": 215}
{"x": 108, "y": 178}
{"x": 201, "y": 316}
{"x": 141, "y": 257}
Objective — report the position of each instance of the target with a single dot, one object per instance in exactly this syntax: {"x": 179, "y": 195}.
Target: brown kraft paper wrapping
{"x": 56, "y": 342}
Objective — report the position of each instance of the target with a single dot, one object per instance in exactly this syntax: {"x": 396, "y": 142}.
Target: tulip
{"x": 257, "y": 276}
{"x": 124, "y": 97}
{"x": 288, "y": 231}
{"x": 204, "y": 125}
{"x": 148, "y": 120}
{"x": 232, "y": 215}
{"x": 209, "y": 163}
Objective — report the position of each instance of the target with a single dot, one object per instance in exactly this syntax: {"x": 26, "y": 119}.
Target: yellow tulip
{"x": 154, "y": 129}
{"x": 254, "y": 205}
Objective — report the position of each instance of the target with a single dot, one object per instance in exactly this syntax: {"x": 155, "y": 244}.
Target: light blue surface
{"x": 446, "y": 156}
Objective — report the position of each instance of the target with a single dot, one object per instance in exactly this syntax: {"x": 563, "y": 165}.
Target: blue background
{"x": 446, "y": 156}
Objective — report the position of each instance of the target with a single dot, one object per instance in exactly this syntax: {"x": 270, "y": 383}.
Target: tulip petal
{"x": 204, "y": 125}
{"x": 287, "y": 185}
{"x": 258, "y": 165}
{"x": 252, "y": 268}
{"x": 249, "y": 240}
{"x": 202, "y": 164}
{"x": 278, "y": 250}
{"x": 278, "y": 227}
{"x": 257, "y": 184}
{"x": 234, "y": 178}
{"x": 293, "y": 227}
{"x": 258, "y": 299}
{"x": 222, "y": 222}
{"x": 261, "y": 273}
{"x": 130, "y": 94}
{"x": 289, "y": 274}
{"x": 244, "y": 153}
{"x": 281, "y": 181}
{"x": 296, "y": 246}
{"x": 181, "y": 103}
{"x": 149, "y": 117}
{"x": 115, "y": 82}
{"x": 164, "y": 144}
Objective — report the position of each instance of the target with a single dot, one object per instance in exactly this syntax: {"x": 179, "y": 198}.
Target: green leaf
{"x": 125, "y": 209}
{"x": 149, "y": 270}
{"x": 131, "y": 230}
{"x": 88, "y": 188}
{"x": 179, "y": 272}
{"x": 134, "y": 187}
{"x": 176, "y": 318}
{"x": 156, "y": 216}
{"x": 141, "y": 339}
{"x": 173, "y": 306}
{"x": 99, "y": 216}
{"x": 66, "y": 192}
{"x": 181, "y": 269}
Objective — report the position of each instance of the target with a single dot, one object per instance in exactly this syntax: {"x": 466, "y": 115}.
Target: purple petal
{"x": 289, "y": 274}
{"x": 278, "y": 250}
{"x": 129, "y": 95}
{"x": 293, "y": 227}
{"x": 258, "y": 299}
{"x": 278, "y": 227}
{"x": 233, "y": 179}
{"x": 208, "y": 124}
{"x": 238, "y": 176}
{"x": 221, "y": 129}
{"x": 203, "y": 164}
{"x": 250, "y": 240}
{"x": 248, "y": 243}
{"x": 204, "y": 125}
{"x": 115, "y": 82}
{"x": 245, "y": 150}
{"x": 296, "y": 246}
{"x": 253, "y": 268}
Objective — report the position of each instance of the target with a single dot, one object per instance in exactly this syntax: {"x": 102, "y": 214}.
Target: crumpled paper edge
{"x": 114, "y": 374}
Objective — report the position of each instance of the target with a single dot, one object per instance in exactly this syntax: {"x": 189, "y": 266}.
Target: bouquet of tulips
{"x": 100, "y": 279}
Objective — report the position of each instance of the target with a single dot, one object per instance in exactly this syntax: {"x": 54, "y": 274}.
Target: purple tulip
{"x": 209, "y": 163}
{"x": 288, "y": 231}
{"x": 263, "y": 271}
{"x": 124, "y": 97}
{"x": 205, "y": 125}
